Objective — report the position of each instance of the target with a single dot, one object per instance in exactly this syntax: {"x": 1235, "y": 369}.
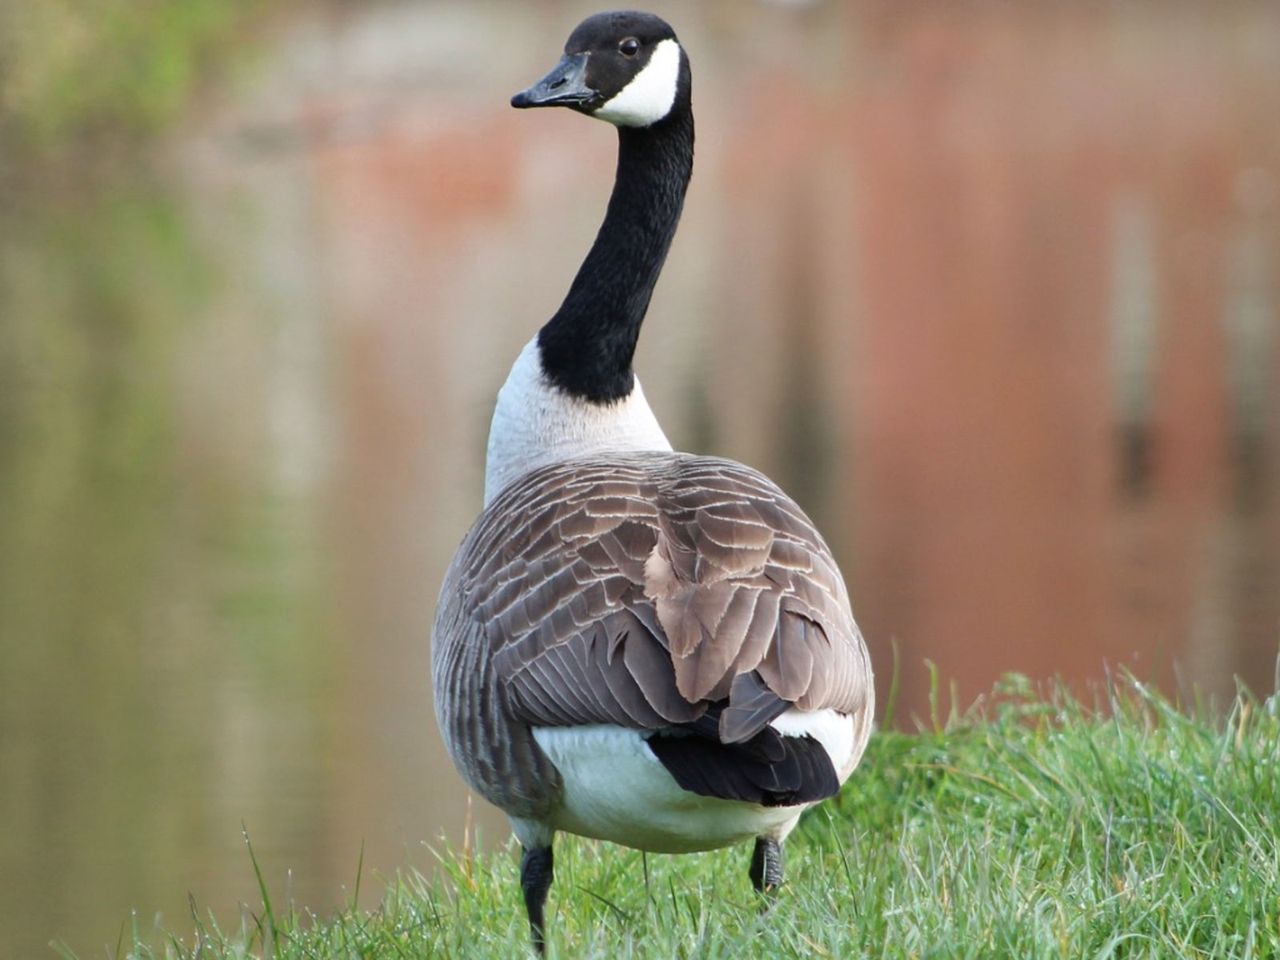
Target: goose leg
{"x": 536, "y": 871}
{"x": 766, "y": 865}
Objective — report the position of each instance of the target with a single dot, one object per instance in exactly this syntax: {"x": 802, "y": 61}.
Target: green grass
{"x": 1030, "y": 826}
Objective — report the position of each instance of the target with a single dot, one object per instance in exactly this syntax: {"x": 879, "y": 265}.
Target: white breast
{"x": 535, "y": 423}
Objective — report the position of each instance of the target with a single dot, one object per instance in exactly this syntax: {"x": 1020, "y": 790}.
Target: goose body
{"x": 635, "y": 644}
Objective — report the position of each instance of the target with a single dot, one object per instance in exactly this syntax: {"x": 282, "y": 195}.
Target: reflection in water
{"x": 994, "y": 295}
{"x": 161, "y": 635}
{"x": 1052, "y": 236}
{"x": 148, "y": 600}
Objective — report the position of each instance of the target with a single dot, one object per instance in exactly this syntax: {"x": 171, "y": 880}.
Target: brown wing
{"x": 640, "y": 589}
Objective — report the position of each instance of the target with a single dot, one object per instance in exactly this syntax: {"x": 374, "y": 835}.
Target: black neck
{"x": 588, "y": 345}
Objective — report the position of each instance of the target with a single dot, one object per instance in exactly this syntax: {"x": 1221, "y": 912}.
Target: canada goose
{"x": 634, "y": 644}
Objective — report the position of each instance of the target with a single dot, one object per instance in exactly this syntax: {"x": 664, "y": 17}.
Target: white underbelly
{"x": 616, "y": 789}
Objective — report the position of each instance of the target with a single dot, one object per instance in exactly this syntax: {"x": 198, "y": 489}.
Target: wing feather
{"x": 642, "y": 589}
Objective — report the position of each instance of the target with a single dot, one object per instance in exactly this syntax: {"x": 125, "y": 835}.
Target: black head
{"x": 624, "y": 67}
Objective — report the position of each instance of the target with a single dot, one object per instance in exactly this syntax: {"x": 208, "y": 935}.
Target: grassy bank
{"x": 1029, "y": 827}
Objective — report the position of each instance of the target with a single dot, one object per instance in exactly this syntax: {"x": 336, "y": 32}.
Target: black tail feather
{"x": 768, "y": 769}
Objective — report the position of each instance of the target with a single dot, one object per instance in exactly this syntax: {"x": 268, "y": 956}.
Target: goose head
{"x": 624, "y": 67}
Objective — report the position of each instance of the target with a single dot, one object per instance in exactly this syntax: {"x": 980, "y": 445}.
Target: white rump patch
{"x": 650, "y": 94}
{"x": 830, "y": 728}
{"x": 616, "y": 789}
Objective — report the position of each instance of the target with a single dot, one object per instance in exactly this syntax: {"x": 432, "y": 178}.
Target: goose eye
{"x": 629, "y": 47}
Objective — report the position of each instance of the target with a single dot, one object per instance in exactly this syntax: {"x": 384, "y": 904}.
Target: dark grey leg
{"x": 536, "y": 871}
{"x": 766, "y": 865}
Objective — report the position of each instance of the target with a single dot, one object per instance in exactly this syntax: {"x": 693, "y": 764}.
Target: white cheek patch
{"x": 649, "y": 96}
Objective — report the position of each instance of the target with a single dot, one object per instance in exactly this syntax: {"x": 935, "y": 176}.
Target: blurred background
{"x": 993, "y": 289}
